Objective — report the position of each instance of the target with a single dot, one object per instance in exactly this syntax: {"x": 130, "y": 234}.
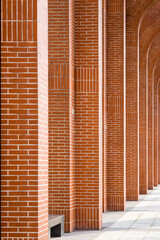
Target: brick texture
{"x": 155, "y": 133}
{"x": 159, "y": 132}
{"x": 61, "y": 111}
{"x": 80, "y": 107}
{"x": 132, "y": 117}
{"x": 136, "y": 11}
{"x": 104, "y": 105}
{"x": 116, "y": 190}
{"x": 24, "y": 126}
{"x": 88, "y": 88}
{"x": 156, "y": 77}
{"x": 153, "y": 55}
{"x": 147, "y": 48}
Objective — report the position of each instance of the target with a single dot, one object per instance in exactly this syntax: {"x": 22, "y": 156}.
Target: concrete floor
{"x": 141, "y": 220}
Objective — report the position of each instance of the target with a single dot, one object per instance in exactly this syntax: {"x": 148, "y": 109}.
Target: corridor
{"x": 80, "y": 119}
{"x": 141, "y": 220}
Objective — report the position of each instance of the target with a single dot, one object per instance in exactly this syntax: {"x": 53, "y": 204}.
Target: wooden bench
{"x": 55, "y": 226}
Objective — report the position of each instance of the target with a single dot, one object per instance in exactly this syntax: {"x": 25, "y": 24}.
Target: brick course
{"x": 88, "y": 113}
{"x": 158, "y": 132}
{"x": 24, "y": 102}
{"x": 116, "y": 190}
{"x": 147, "y": 48}
{"x": 61, "y": 111}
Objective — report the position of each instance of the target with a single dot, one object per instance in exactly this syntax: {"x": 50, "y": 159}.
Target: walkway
{"x": 141, "y": 220}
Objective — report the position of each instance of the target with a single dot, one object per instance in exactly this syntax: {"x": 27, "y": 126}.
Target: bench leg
{"x": 49, "y": 234}
{"x": 56, "y": 231}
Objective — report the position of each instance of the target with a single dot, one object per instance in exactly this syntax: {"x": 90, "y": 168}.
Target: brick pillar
{"x": 156, "y": 75}
{"x": 143, "y": 124}
{"x": 132, "y": 141}
{"x": 159, "y": 133}
{"x": 61, "y": 111}
{"x": 104, "y": 104}
{"x": 116, "y": 175}
{"x": 150, "y": 130}
{"x": 88, "y": 81}
{"x": 24, "y": 89}
{"x": 155, "y": 132}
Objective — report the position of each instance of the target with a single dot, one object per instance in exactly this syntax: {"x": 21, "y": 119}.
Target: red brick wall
{"x": 143, "y": 128}
{"x": 86, "y": 17}
{"x": 153, "y": 55}
{"x": 159, "y": 132}
{"x": 132, "y": 155}
{"x": 150, "y": 129}
{"x": 156, "y": 76}
{"x": 61, "y": 111}
{"x": 135, "y": 11}
{"x": 63, "y": 50}
{"x": 150, "y": 33}
{"x": 104, "y": 104}
{"x": 155, "y": 133}
{"x": 103, "y": 126}
{"x": 143, "y": 110}
{"x": 24, "y": 120}
{"x": 88, "y": 87}
{"x": 148, "y": 45}
{"x": 116, "y": 176}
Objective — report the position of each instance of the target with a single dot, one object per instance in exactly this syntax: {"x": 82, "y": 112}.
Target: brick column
{"x": 104, "y": 104}
{"x": 143, "y": 139}
{"x": 159, "y": 133}
{"x": 143, "y": 120}
{"x": 88, "y": 81}
{"x": 24, "y": 159}
{"x": 149, "y": 52}
{"x": 150, "y": 130}
{"x": 155, "y": 132}
{"x": 156, "y": 75}
{"x": 132, "y": 95}
{"x": 116, "y": 175}
{"x": 61, "y": 111}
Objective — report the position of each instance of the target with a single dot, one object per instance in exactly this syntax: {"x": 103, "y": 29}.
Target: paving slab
{"x": 140, "y": 220}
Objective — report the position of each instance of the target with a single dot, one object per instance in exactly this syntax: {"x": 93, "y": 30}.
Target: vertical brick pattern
{"x": 115, "y": 106}
{"x": 143, "y": 116}
{"x": 61, "y": 111}
{"x": 142, "y": 18}
{"x": 104, "y": 130}
{"x": 150, "y": 131}
{"x": 156, "y": 75}
{"x": 159, "y": 132}
{"x": 143, "y": 136}
{"x": 148, "y": 45}
{"x": 24, "y": 128}
{"x": 104, "y": 104}
{"x": 155, "y": 133}
{"x": 88, "y": 88}
{"x": 87, "y": 149}
{"x": 152, "y": 144}
{"x": 132, "y": 141}
{"x": 137, "y": 11}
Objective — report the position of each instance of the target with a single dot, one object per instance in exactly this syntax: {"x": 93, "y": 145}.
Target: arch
{"x": 148, "y": 33}
{"x": 136, "y": 11}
